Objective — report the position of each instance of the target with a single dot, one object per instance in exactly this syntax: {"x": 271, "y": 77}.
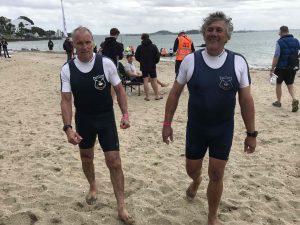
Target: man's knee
{"x": 87, "y": 155}
{"x": 216, "y": 175}
{"x": 113, "y": 161}
{"x": 193, "y": 167}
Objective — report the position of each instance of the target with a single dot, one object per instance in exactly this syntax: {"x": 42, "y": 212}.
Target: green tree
{"x": 38, "y": 30}
{"x": 21, "y": 26}
{"x": 27, "y": 19}
{"x": 3, "y": 24}
{"x": 50, "y": 33}
{"x": 9, "y": 28}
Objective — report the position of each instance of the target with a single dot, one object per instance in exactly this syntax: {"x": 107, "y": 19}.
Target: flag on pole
{"x": 64, "y": 20}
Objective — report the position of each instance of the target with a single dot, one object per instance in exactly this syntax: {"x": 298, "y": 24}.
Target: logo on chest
{"x": 100, "y": 82}
{"x": 226, "y": 83}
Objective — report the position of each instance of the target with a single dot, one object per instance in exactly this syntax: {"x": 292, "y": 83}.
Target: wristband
{"x": 125, "y": 116}
{"x": 166, "y": 124}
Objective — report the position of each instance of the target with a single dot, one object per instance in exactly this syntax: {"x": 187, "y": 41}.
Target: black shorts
{"x": 103, "y": 125}
{"x": 152, "y": 74}
{"x": 218, "y": 139}
{"x": 288, "y": 76}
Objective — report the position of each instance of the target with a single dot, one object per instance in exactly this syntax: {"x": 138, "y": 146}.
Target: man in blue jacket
{"x": 286, "y": 46}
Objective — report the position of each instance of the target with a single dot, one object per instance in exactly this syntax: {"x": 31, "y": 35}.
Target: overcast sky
{"x": 138, "y": 16}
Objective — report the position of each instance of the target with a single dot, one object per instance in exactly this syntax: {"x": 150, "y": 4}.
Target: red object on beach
{"x": 163, "y": 52}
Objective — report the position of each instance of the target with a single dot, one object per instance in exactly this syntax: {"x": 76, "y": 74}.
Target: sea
{"x": 256, "y": 46}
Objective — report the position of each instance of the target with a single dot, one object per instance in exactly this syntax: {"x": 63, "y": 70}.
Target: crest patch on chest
{"x": 100, "y": 82}
{"x": 226, "y": 83}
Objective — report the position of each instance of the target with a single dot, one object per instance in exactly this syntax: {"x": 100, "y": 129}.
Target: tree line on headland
{"x": 23, "y": 28}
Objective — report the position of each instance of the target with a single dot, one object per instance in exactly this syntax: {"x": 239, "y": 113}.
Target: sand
{"x": 42, "y": 181}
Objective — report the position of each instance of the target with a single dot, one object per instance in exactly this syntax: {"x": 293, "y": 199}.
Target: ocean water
{"x": 257, "y": 47}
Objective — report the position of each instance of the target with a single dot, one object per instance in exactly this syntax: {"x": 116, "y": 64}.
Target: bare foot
{"x": 191, "y": 191}
{"x": 214, "y": 221}
{"x": 164, "y": 85}
{"x": 125, "y": 217}
{"x": 91, "y": 198}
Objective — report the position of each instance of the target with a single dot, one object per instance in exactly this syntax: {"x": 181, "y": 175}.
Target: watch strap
{"x": 252, "y": 134}
{"x": 66, "y": 127}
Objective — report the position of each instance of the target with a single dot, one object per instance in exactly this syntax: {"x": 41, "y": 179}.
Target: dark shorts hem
{"x": 288, "y": 76}
{"x": 152, "y": 74}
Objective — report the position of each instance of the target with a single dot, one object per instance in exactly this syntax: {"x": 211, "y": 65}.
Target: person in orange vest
{"x": 183, "y": 45}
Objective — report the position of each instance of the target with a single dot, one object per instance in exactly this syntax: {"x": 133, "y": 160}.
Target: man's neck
{"x": 215, "y": 53}
{"x": 86, "y": 60}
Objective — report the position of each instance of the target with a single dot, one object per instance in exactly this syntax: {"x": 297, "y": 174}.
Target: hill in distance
{"x": 166, "y": 32}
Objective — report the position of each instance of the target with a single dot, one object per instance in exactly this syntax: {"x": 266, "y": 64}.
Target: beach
{"x": 42, "y": 181}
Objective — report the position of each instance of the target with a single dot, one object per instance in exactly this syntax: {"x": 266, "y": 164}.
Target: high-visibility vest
{"x": 184, "y": 47}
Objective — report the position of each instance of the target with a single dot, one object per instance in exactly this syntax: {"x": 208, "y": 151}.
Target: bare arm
{"x": 274, "y": 63}
{"x": 66, "y": 107}
{"x": 248, "y": 114}
{"x": 171, "y": 106}
{"x": 66, "y": 111}
{"x": 133, "y": 74}
{"x": 122, "y": 101}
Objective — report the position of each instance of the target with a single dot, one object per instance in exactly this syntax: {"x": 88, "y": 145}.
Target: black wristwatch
{"x": 66, "y": 127}
{"x": 252, "y": 134}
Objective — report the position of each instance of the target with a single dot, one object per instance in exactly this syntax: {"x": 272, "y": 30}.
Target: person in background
{"x": 88, "y": 79}
{"x": 4, "y": 45}
{"x": 68, "y": 47}
{"x": 95, "y": 48}
{"x": 213, "y": 76}
{"x": 0, "y": 49}
{"x": 147, "y": 55}
{"x": 183, "y": 45}
{"x": 133, "y": 73}
{"x": 286, "y": 46}
{"x": 132, "y": 49}
{"x": 50, "y": 45}
{"x": 113, "y": 49}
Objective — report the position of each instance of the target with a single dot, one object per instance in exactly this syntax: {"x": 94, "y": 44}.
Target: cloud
{"x": 137, "y": 16}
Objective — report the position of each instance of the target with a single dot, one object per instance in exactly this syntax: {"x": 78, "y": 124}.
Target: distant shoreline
{"x": 32, "y": 39}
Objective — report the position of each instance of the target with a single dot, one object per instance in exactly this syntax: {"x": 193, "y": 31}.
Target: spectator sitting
{"x": 131, "y": 70}
{"x": 134, "y": 74}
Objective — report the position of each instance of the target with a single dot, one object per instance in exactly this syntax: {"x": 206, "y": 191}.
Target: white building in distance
{"x": 16, "y": 22}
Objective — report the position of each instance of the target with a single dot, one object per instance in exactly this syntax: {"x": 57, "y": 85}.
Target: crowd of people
{"x": 213, "y": 75}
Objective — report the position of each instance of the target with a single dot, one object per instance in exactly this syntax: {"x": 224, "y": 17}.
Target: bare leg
{"x": 146, "y": 88}
{"x": 155, "y": 87}
{"x": 278, "y": 92}
{"x": 291, "y": 91}
{"x": 87, "y": 157}
{"x": 113, "y": 162}
{"x": 193, "y": 169}
{"x": 215, "y": 188}
{"x": 161, "y": 84}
